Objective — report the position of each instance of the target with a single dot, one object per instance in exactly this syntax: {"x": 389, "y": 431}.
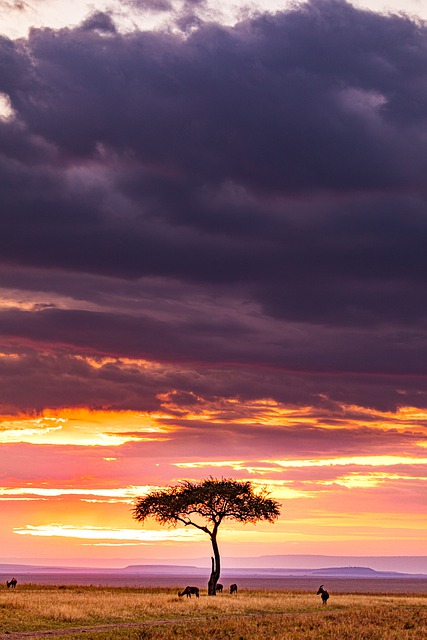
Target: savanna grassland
{"x": 98, "y": 613}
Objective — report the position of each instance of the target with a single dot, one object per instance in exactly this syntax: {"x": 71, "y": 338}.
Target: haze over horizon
{"x": 213, "y": 263}
{"x": 401, "y": 564}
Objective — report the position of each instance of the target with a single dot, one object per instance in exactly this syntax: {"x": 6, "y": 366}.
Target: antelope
{"x": 219, "y": 587}
{"x": 12, "y": 583}
{"x": 323, "y": 593}
{"x": 189, "y": 590}
{"x": 233, "y": 588}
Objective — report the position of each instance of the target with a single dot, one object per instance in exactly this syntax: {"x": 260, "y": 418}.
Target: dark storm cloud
{"x": 276, "y": 167}
{"x": 322, "y": 97}
{"x": 99, "y": 21}
{"x": 218, "y": 340}
{"x": 31, "y": 381}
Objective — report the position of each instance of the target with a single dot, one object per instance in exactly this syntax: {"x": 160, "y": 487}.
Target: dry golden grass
{"x": 252, "y": 615}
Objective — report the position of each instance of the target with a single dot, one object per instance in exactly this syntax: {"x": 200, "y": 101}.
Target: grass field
{"x": 96, "y": 613}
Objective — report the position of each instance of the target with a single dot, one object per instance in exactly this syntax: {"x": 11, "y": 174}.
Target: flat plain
{"x": 68, "y": 612}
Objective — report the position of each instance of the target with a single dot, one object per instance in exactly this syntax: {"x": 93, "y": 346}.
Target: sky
{"x": 212, "y": 263}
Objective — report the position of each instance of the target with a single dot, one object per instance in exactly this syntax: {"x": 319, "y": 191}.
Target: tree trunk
{"x": 211, "y": 583}
{"x": 216, "y": 567}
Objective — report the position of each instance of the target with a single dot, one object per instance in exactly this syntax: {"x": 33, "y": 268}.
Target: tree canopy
{"x": 204, "y": 505}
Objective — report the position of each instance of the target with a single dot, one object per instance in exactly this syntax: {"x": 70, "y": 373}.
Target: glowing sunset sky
{"x": 213, "y": 263}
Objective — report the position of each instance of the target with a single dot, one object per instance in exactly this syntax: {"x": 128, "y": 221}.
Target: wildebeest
{"x": 190, "y": 590}
{"x": 323, "y": 593}
{"x": 233, "y": 588}
{"x": 12, "y": 583}
{"x": 219, "y": 587}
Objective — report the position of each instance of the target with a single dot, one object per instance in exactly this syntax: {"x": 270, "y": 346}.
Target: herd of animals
{"x": 195, "y": 591}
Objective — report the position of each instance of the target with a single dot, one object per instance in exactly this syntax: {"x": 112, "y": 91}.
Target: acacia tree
{"x": 204, "y": 505}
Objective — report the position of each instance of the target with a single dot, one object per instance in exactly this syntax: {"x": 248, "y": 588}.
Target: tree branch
{"x": 194, "y": 524}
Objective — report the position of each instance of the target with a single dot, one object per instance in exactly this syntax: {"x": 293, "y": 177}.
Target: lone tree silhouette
{"x": 205, "y": 505}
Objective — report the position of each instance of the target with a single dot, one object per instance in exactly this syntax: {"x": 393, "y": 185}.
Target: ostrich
{"x": 219, "y": 587}
{"x": 233, "y": 588}
{"x": 323, "y": 593}
{"x": 12, "y": 583}
{"x": 189, "y": 590}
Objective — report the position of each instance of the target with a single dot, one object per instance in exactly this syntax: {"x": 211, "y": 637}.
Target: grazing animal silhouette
{"x": 323, "y": 593}
{"x": 12, "y": 583}
{"x": 189, "y": 590}
{"x": 219, "y": 587}
{"x": 233, "y": 588}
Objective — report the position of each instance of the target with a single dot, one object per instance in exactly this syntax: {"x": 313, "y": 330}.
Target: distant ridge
{"x": 285, "y": 563}
{"x": 400, "y": 564}
{"x": 354, "y": 572}
{"x": 153, "y": 569}
{"x": 361, "y": 572}
{"x": 190, "y": 570}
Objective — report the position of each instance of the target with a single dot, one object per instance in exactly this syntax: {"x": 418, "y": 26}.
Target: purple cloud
{"x": 236, "y": 198}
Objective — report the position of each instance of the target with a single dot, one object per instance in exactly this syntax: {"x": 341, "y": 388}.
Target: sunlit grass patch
{"x": 370, "y": 624}
{"x": 159, "y": 614}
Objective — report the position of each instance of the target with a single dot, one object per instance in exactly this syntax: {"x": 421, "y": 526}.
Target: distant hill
{"x": 191, "y": 570}
{"x": 359, "y": 572}
{"x": 344, "y": 572}
{"x": 152, "y": 569}
{"x": 401, "y": 564}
